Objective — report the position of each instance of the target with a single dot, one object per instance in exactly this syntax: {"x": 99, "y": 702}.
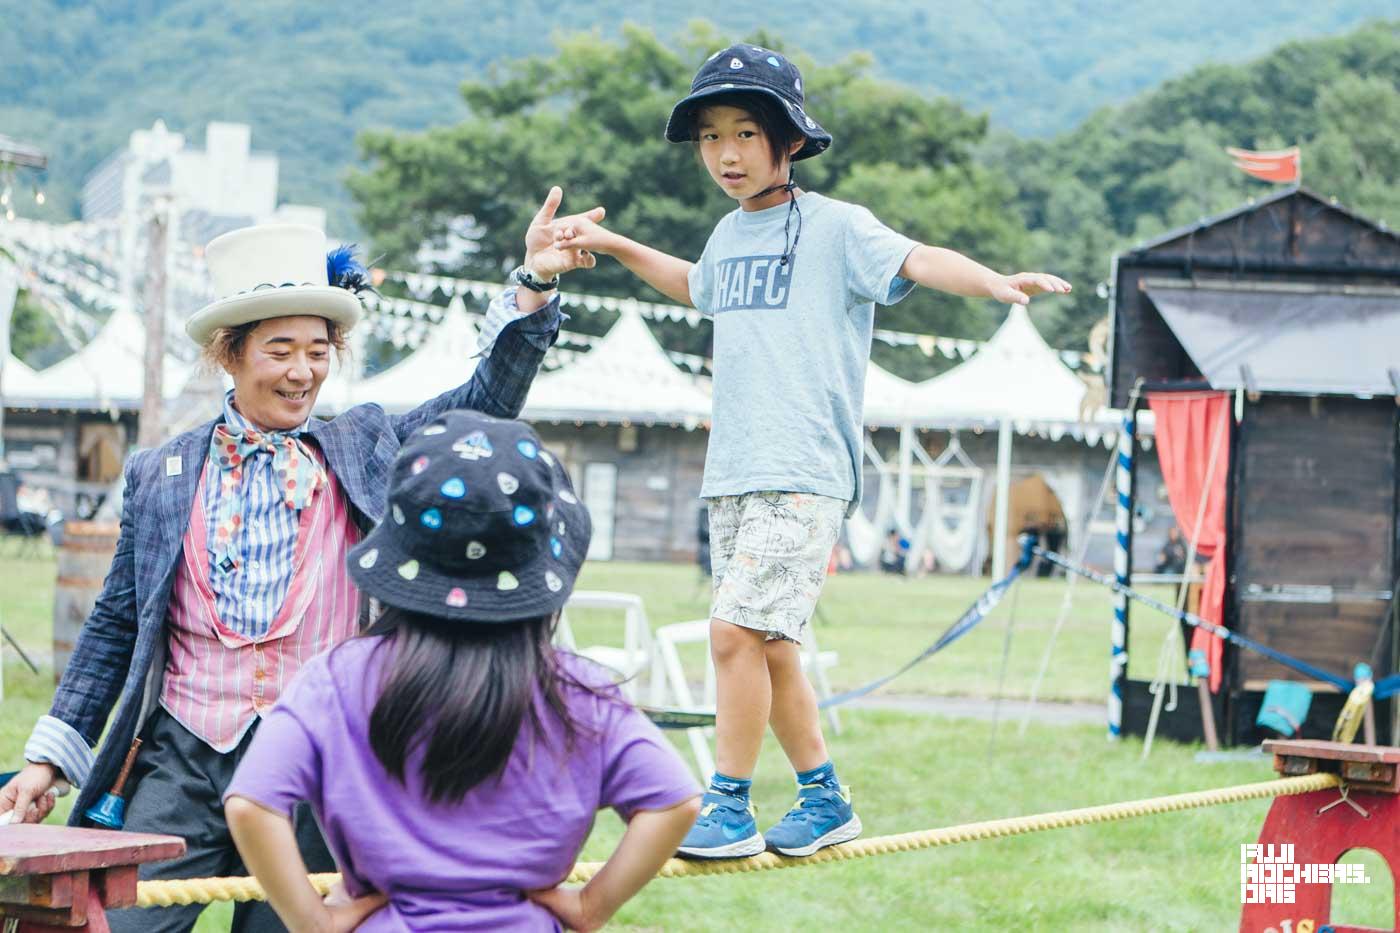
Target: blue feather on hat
{"x": 343, "y": 270}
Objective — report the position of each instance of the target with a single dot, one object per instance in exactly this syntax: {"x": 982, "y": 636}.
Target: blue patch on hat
{"x": 774, "y": 62}
{"x": 527, "y": 449}
{"x": 454, "y": 488}
{"x": 555, "y": 547}
{"x": 475, "y": 446}
{"x": 523, "y": 515}
{"x": 431, "y": 518}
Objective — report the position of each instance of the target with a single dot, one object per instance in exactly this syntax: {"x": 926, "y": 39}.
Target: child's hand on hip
{"x": 1018, "y": 289}
{"x": 567, "y": 905}
{"x": 346, "y": 912}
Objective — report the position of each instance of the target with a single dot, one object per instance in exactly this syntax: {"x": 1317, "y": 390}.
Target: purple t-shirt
{"x": 462, "y": 866}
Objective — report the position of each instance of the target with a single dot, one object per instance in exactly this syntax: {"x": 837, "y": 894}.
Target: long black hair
{"x": 462, "y": 692}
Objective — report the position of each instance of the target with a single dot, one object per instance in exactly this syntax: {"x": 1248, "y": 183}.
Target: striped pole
{"x": 1122, "y": 569}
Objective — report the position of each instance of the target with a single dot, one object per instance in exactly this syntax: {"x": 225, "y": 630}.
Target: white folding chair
{"x": 668, "y": 674}
{"x": 670, "y": 687}
{"x": 634, "y": 657}
{"x": 817, "y": 662}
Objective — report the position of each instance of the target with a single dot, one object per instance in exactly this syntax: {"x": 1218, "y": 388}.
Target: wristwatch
{"x": 525, "y": 278}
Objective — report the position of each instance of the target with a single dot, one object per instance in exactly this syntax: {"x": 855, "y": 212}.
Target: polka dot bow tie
{"x": 297, "y": 472}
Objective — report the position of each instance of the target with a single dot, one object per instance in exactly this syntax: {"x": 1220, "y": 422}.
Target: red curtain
{"x": 1188, "y": 426}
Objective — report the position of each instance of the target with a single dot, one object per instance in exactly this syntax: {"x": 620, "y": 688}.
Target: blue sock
{"x": 823, "y": 775}
{"x": 738, "y": 788}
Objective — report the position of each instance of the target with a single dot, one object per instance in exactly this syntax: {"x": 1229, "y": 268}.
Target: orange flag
{"x": 1279, "y": 165}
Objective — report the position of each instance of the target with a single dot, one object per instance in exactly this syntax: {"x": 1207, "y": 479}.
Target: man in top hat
{"x": 230, "y": 569}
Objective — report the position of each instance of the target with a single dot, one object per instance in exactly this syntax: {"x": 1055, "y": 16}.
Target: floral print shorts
{"x": 769, "y": 552}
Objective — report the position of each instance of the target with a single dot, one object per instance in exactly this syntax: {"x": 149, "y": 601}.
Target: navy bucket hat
{"x": 750, "y": 69}
{"x": 482, "y": 525}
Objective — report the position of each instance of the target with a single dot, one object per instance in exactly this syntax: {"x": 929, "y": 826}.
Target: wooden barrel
{"x": 83, "y": 560}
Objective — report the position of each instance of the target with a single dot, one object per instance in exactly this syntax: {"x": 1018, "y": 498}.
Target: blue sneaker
{"x": 821, "y": 817}
{"x": 725, "y": 829}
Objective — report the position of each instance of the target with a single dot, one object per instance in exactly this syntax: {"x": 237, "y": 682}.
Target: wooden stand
{"x": 1322, "y": 826}
{"x": 63, "y": 878}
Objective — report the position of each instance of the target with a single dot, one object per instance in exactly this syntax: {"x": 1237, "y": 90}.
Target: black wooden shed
{"x": 1292, "y": 303}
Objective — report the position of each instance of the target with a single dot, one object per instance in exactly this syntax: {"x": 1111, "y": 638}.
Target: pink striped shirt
{"x": 217, "y": 680}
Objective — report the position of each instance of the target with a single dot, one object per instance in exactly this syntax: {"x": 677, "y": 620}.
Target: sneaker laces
{"x": 798, "y": 813}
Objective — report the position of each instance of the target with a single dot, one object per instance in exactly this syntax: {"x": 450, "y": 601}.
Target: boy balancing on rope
{"x": 453, "y": 758}
{"x": 792, "y": 330}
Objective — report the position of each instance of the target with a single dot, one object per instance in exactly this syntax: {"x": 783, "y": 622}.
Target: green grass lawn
{"x": 1170, "y": 872}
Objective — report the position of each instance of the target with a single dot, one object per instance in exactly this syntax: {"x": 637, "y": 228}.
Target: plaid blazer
{"x": 126, "y": 632}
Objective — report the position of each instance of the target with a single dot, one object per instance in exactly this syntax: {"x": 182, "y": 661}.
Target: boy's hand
{"x": 567, "y": 905}
{"x": 546, "y": 257}
{"x": 1018, "y": 288}
{"x": 582, "y": 231}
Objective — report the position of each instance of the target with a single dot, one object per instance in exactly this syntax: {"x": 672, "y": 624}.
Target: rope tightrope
{"x": 208, "y": 890}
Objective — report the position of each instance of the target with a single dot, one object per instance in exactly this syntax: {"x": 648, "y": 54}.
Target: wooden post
{"x": 1003, "y": 506}
{"x": 63, "y": 878}
{"x": 1207, "y": 714}
{"x": 1317, "y": 829}
{"x": 152, "y": 427}
{"x": 9, "y": 292}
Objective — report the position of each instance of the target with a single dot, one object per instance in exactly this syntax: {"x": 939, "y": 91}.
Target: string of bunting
{"x": 424, "y": 285}
{"x": 78, "y": 256}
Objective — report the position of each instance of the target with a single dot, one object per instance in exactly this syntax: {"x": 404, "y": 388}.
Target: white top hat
{"x": 269, "y": 271}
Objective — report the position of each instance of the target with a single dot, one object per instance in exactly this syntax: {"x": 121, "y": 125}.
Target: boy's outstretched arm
{"x": 949, "y": 271}
{"x": 666, "y": 273}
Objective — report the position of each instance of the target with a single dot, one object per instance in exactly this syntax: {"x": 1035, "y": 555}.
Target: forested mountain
{"x": 1132, "y": 171}
{"x": 587, "y": 118}
{"x": 517, "y": 99}
{"x": 77, "y": 76}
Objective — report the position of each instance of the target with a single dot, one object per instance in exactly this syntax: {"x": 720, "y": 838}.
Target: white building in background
{"x": 227, "y": 177}
{"x": 223, "y": 186}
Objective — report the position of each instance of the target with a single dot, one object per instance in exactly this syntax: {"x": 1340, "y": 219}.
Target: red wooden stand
{"x": 1322, "y": 828}
{"x": 62, "y": 878}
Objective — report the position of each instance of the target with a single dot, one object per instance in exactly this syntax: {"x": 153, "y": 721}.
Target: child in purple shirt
{"x": 455, "y": 760}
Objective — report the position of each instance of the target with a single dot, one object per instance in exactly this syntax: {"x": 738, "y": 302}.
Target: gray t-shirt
{"x": 792, "y": 343}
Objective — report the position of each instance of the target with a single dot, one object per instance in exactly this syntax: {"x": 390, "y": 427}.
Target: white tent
{"x": 106, "y": 373}
{"x": 444, "y": 360}
{"x": 886, "y": 397}
{"x": 1014, "y": 383}
{"x": 20, "y": 381}
{"x": 1015, "y": 376}
{"x": 626, "y": 377}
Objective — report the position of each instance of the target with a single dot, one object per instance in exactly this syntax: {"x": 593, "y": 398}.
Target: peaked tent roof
{"x": 1015, "y": 376}
{"x": 443, "y": 361}
{"x": 108, "y": 372}
{"x": 626, "y": 377}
